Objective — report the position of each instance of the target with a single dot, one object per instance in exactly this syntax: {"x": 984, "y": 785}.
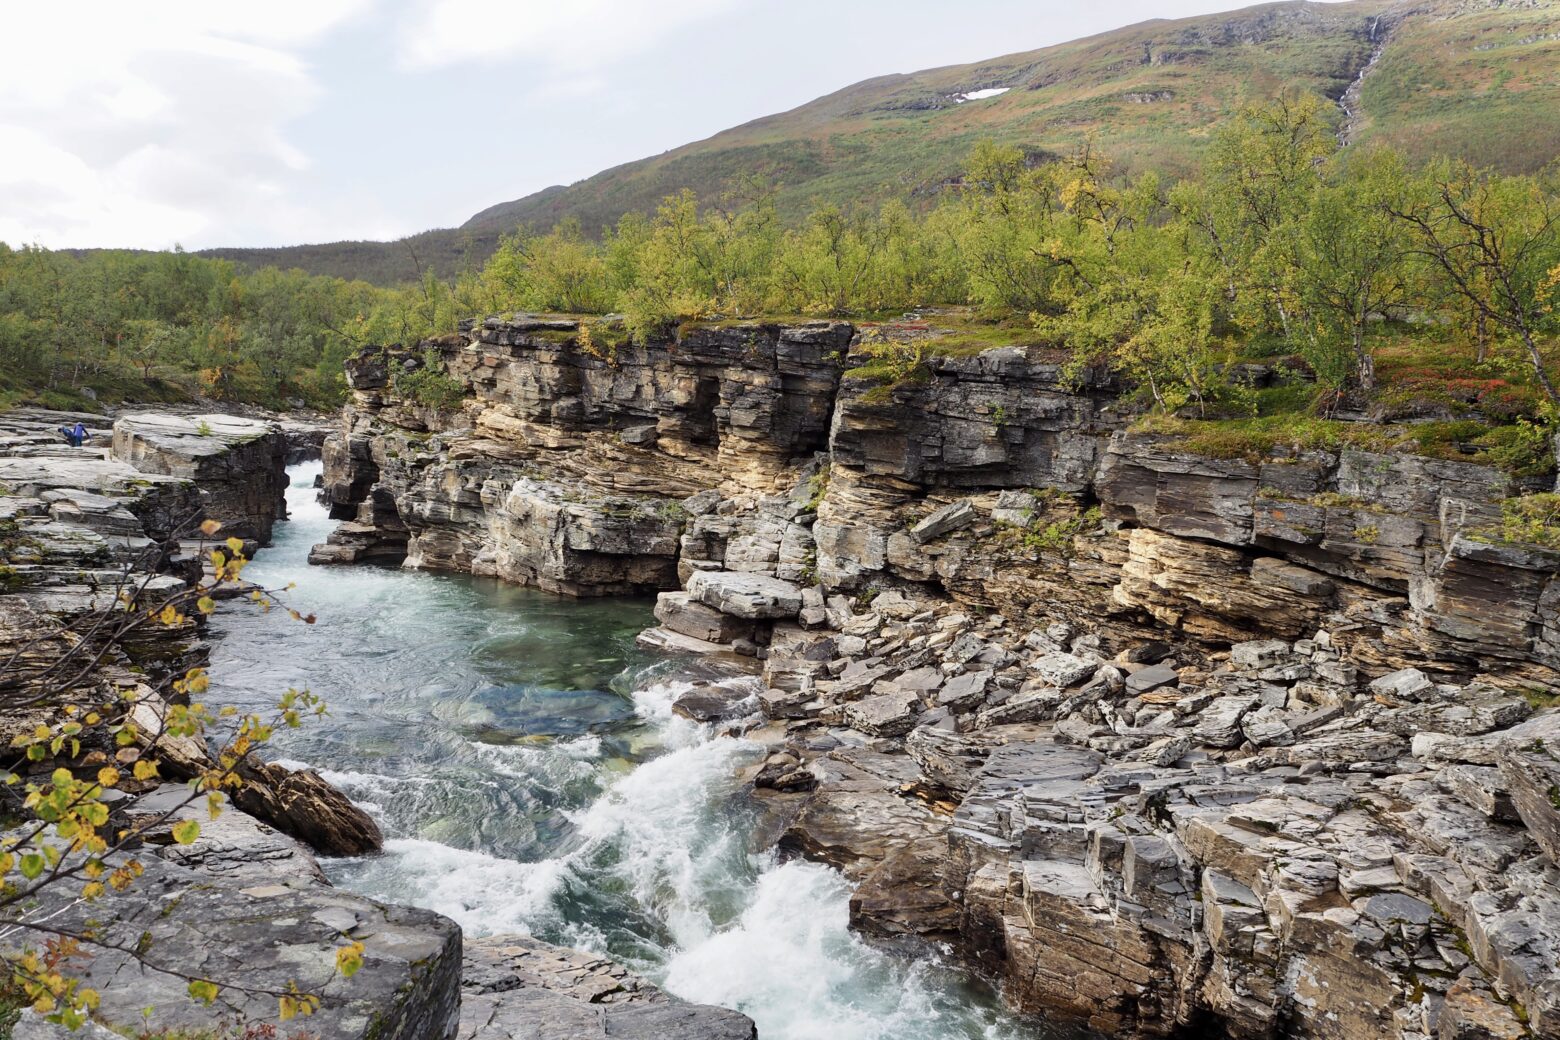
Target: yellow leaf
{"x": 108, "y": 776}
{"x": 145, "y": 769}
{"x": 349, "y": 959}
{"x": 186, "y": 831}
{"x": 235, "y": 546}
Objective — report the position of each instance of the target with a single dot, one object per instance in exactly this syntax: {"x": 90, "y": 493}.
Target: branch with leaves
{"x": 69, "y": 848}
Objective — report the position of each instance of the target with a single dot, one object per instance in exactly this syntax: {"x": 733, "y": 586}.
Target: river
{"x": 523, "y": 760}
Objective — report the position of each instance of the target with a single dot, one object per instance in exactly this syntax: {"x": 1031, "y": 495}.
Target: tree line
{"x": 118, "y": 325}
{"x": 1283, "y": 243}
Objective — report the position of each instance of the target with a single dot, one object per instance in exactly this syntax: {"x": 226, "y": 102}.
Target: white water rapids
{"x": 530, "y": 776}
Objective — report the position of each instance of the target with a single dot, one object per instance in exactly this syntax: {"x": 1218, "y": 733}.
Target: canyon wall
{"x": 572, "y": 467}
{"x": 1168, "y": 744}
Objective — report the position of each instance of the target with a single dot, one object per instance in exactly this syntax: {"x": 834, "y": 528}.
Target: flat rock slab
{"x": 750, "y": 596}
{"x": 1063, "y": 669}
{"x": 517, "y": 988}
{"x": 171, "y": 438}
{"x": 266, "y": 936}
{"x": 885, "y": 715}
{"x": 1151, "y": 678}
{"x": 946, "y": 520}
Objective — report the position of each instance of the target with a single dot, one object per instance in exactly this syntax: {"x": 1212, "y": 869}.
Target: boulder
{"x": 943, "y": 521}
{"x": 1406, "y": 684}
{"x": 301, "y": 803}
{"x": 680, "y": 612}
{"x": 1062, "y": 669}
{"x": 1532, "y": 773}
{"x": 885, "y": 715}
{"x": 1219, "y": 723}
{"x": 749, "y": 596}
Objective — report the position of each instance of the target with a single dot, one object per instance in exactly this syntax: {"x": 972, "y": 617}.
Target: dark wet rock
{"x": 300, "y": 803}
{"x": 239, "y": 464}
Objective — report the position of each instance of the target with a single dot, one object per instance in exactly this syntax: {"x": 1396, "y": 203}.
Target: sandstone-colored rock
{"x": 301, "y": 803}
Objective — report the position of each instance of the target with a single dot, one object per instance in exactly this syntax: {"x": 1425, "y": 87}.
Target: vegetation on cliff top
{"x": 104, "y": 327}
{"x": 1352, "y": 281}
{"x": 1356, "y": 283}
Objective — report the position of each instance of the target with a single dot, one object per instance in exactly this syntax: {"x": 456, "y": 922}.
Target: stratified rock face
{"x": 569, "y": 467}
{"x": 577, "y": 466}
{"x": 1005, "y": 419}
{"x": 240, "y": 465}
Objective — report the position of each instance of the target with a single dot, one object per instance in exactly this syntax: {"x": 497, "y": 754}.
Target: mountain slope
{"x": 1146, "y": 93}
{"x": 1477, "y": 78}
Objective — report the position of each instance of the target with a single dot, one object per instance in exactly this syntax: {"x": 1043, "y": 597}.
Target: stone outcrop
{"x": 571, "y": 467}
{"x": 238, "y": 464}
{"x": 1167, "y": 744}
{"x": 1257, "y": 838}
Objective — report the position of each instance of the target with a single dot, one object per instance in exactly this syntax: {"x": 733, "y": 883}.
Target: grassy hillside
{"x": 1147, "y": 93}
{"x": 1470, "y": 78}
{"x": 1473, "y": 78}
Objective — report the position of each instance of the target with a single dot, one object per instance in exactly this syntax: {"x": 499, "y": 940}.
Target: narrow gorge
{"x": 1162, "y": 738}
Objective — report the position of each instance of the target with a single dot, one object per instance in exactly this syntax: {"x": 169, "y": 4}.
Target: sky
{"x": 223, "y": 123}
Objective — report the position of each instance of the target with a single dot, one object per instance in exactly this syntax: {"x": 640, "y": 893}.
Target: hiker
{"x": 76, "y": 435}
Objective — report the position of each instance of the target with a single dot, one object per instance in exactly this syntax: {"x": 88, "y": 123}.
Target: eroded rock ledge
{"x": 1167, "y": 744}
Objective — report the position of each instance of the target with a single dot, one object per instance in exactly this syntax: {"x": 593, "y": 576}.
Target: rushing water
{"x": 529, "y": 775}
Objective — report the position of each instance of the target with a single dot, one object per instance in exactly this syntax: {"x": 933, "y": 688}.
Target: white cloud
{"x": 146, "y": 124}
{"x": 572, "y": 35}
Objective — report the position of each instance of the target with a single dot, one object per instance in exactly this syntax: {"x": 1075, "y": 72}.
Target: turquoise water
{"x": 523, "y": 760}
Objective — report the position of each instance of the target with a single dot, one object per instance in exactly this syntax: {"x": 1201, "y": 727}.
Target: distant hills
{"x": 1474, "y": 78}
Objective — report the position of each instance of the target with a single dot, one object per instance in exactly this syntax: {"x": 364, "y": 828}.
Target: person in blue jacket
{"x": 76, "y": 435}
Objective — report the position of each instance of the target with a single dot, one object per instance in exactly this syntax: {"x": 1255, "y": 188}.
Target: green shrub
{"x": 1530, "y": 520}
{"x": 430, "y": 387}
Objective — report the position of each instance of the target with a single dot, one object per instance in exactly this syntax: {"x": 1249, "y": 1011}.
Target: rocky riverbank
{"x": 246, "y": 904}
{"x": 1167, "y": 743}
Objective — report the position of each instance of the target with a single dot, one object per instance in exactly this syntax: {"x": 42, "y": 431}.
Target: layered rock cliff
{"x": 1163, "y": 741}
